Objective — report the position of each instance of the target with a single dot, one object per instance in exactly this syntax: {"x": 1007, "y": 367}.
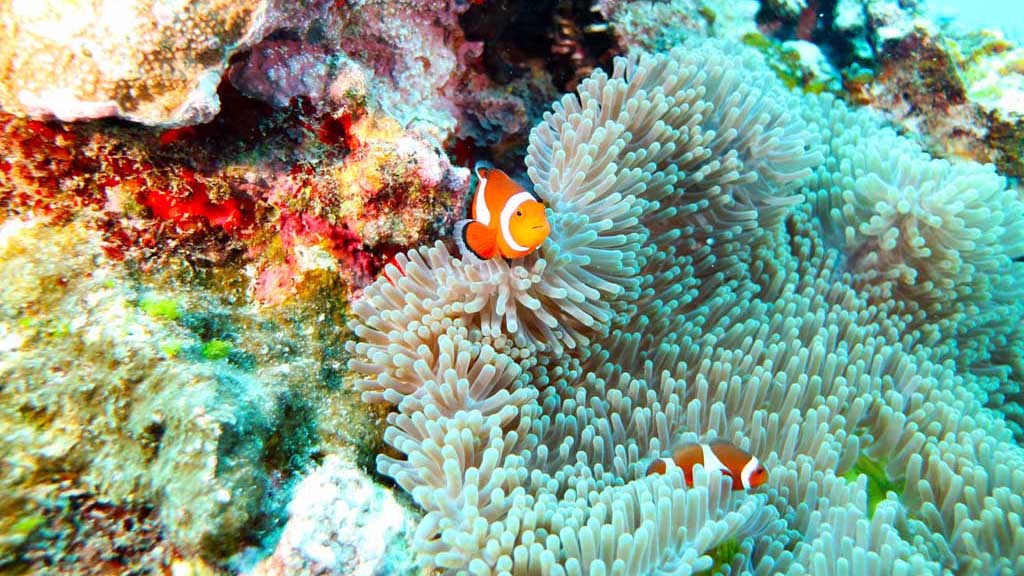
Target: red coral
{"x": 334, "y": 131}
{"x": 41, "y": 170}
{"x": 807, "y": 22}
{"x": 344, "y": 243}
{"x": 188, "y": 210}
{"x": 177, "y": 134}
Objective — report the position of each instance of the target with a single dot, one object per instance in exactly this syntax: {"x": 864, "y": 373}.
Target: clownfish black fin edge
{"x": 460, "y": 240}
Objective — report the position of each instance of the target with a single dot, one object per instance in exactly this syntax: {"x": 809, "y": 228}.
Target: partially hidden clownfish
{"x": 505, "y": 219}
{"x": 744, "y": 469}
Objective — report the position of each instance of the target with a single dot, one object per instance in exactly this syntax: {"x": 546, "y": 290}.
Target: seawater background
{"x": 1005, "y": 15}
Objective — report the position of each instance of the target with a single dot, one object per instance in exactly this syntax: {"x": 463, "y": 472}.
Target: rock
{"x": 153, "y": 62}
{"x": 817, "y": 73}
{"x": 142, "y": 396}
{"x": 340, "y": 522}
{"x": 850, "y": 17}
{"x": 278, "y": 70}
{"x": 657, "y": 26}
{"x": 418, "y": 54}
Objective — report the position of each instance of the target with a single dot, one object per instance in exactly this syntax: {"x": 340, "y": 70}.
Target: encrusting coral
{"x": 688, "y": 292}
{"x": 158, "y": 397}
{"x": 151, "y": 62}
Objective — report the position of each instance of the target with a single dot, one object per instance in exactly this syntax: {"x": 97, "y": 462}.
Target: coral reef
{"x": 141, "y": 60}
{"x": 204, "y": 370}
{"x": 688, "y": 292}
{"x": 153, "y": 394}
{"x": 417, "y": 53}
{"x": 788, "y": 9}
{"x": 357, "y": 188}
{"x": 390, "y": 191}
{"x": 190, "y": 302}
{"x": 94, "y": 537}
{"x": 276, "y": 71}
{"x": 959, "y": 90}
{"x": 658, "y": 26}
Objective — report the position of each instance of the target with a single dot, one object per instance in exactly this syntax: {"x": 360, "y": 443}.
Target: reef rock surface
{"x": 157, "y": 63}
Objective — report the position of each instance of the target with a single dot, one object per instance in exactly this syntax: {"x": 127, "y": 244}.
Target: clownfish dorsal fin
{"x": 731, "y": 457}
{"x": 686, "y": 455}
{"x": 480, "y": 211}
{"x": 498, "y": 190}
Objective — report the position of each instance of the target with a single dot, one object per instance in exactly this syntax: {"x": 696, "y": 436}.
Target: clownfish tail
{"x": 475, "y": 240}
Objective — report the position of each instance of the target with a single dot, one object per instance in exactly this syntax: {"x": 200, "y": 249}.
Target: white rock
{"x": 340, "y": 522}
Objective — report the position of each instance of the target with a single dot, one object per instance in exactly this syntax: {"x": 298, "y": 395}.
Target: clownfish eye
{"x": 519, "y": 212}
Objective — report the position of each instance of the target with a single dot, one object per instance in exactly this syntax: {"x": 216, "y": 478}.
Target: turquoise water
{"x": 1005, "y": 15}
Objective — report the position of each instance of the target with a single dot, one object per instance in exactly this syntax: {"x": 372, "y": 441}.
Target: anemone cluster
{"x": 727, "y": 259}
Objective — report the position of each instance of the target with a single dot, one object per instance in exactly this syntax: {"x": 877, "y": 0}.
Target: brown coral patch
{"x": 84, "y": 535}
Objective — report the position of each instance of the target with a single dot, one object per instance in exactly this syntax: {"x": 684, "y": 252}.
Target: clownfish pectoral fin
{"x": 474, "y": 238}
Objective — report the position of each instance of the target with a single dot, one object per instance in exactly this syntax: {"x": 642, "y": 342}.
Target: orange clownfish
{"x": 504, "y": 219}
{"x": 744, "y": 469}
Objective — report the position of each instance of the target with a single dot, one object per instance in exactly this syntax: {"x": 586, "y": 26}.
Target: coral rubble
{"x": 121, "y": 394}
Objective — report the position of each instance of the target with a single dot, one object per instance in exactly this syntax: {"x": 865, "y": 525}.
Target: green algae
{"x": 161, "y": 308}
{"x": 28, "y": 524}
{"x": 171, "y": 348}
{"x": 722, "y": 555}
{"x": 215, "y": 349}
{"x": 786, "y": 64}
{"x": 879, "y": 483}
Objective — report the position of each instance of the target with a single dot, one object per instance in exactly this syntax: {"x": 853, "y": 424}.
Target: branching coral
{"x": 685, "y": 293}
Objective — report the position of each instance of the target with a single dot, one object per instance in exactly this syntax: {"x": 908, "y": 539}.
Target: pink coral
{"x": 392, "y": 190}
{"x": 278, "y": 70}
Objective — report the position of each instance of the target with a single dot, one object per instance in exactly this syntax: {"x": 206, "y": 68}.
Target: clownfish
{"x": 504, "y": 220}
{"x": 745, "y": 470}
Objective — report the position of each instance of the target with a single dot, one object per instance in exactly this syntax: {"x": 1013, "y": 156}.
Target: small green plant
{"x": 216, "y": 349}
{"x": 28, "y": 524}
{"x": 162, "y": 308}
{"x": 171, "y": 348}
{"x": 722, "y": 555}
{"x": 878, "y": 481}
{"x": 59, "y": 329}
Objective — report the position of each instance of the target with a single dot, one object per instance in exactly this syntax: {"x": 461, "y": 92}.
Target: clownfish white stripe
{"x": 510, "y": 208}
{"x": 480, "y": 212}
{"x": 711, "y": 461}
{"x": 744, "y": 469}
{"x": 748, "y": 471}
